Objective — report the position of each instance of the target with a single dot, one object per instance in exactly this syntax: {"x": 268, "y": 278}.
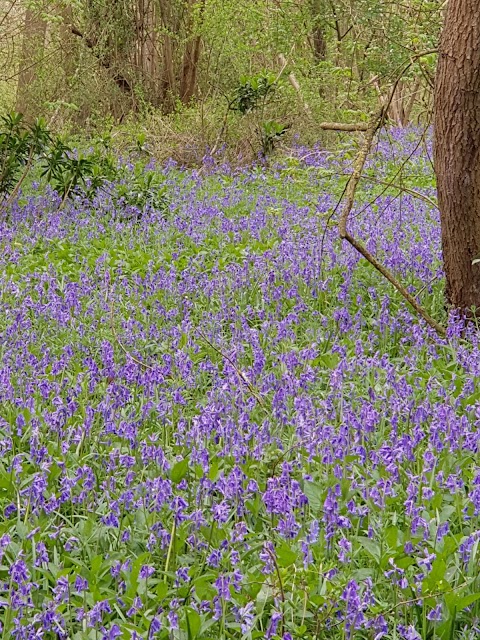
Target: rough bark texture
{"x": 146, "y": 53}
{"x": 318, "y": 36}
{"x": 34, "y": 32}
{"x": 457, "y": 150}
{"x": 191, "y": 57}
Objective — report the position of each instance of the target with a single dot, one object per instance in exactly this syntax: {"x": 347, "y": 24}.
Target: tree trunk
{"x": 457, "y": 150}
{"x": 33, "y": 43}
{"x": 191, "y": 57}
{"x": 318, "y": 36}
{"x": 146, "y": 56}
{"x": 168, "y": 84}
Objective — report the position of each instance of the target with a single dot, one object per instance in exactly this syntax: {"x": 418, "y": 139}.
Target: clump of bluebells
{"x": 215, "y": 425}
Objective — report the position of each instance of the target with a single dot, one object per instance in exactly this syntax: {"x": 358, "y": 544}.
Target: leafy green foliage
{"x": 252, "y": 91}
{"x": 19, "y": 145}
{"x": 270, "y": 134}
{"x": 140, "y": 189}
{"x": 70, "y": 171}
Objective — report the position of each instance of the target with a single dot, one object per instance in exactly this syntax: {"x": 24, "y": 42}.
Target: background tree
{"x": 176, "y": 65}
{"x": 31, "y": 59}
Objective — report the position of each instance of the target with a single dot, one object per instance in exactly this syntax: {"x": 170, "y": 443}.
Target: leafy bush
{"x": 252, "y": 91}
{"x": 140, "y": 189}
{"x": 69, "y": 171}
{"x": 19, "y": 144}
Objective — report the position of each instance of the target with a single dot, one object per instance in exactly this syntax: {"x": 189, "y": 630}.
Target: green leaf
{"x": 314, "y": 493}
{"x": 161, "y": 590}
{"x": 454, "y": 601}
{"x": 373, "y": 548}
{"x": 96, "y": 564}
{"x": 328, "y": 360}
{"x": 285, "y": 555}
{"x": 179, "y": 470}
{"x": 193, "y": 623}
{"x": 22, "y": 530}
{"x": 204, "y": 588}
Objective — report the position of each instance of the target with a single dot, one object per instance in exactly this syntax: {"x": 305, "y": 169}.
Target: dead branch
{"x": 386, "y": 273}
{"x": 401, "y": 188}
{"x": 120, "y": 80}
{"x": 243, "y": 377}
{"x": 293, "y": 82}
{"x": 358, "y": 165}
{"x": 375, "y": 123}
{"x": 117, "y": 339}
{"x": 343, "y": 126}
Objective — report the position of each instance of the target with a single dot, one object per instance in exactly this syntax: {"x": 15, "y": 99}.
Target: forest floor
{"x": 217, "y": 421}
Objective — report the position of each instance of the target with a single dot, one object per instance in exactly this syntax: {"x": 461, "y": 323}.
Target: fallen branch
{"x": 343, "y": 126}
{"x": 117, "y": 339}
{"x": 375, "y": 124}
{"x": 386, "y": 273}
{"x": 120, "y": 80}
{"x": 294, "y": 83}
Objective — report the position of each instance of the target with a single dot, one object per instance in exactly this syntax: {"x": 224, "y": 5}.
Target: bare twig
{"x": 412, "y": 192}
{"x": 401, "y": 603}
{"x": 5, "y": 205}
{"x": 118, "y": 341}
{"x": 238, "y": 371}
{"x": 280, "y": 584}
{"x": 431, "y": 281}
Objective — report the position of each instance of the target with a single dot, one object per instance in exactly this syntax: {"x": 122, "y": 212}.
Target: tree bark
{"x": 318, "y": 36}
{"x": 191, "y": 57}
{"x": 146, "y": 54}
{"x": 34, "y": 32}
{"x": 457, "y": 150}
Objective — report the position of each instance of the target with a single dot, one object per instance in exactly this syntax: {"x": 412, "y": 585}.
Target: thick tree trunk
{"x": 457, "y": 150}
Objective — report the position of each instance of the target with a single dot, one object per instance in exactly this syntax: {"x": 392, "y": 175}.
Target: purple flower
{"x": 245, "y": 615}
{"x": 80, "y": 584}
{"x": 435, "y": 614}
{"x": 146, "y": 571}
{"x": 222, "y": 584}
{"x": 172, "y": 618}
{"x": 273, "y": 625}
{"x": 155, "y": 626}
{"x": 113, "y": 633}
{"x": 19, "y": 571}
{"x": 409, "y": 633}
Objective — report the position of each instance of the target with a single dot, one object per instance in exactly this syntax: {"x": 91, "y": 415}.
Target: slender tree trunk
{"x": 68, "y": 43}
{"x": 146, "y": 56}
{"x": 457, "y": 150}
{"x": 169, "y": 84}
{"x": 318, "y": 36}
{"x": 191, "y": 57}
{"x": 33, "y": 43}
